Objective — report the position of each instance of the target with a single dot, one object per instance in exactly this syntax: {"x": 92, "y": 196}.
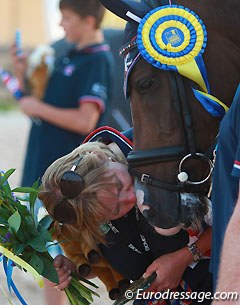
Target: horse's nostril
{"x": 147, "y": 213}
{"x": 150, "y": 215}
{"x": 158, "y": 219}
{"x": 143, "y": 208}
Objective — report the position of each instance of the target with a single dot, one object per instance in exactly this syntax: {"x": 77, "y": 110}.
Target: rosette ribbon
{"x": 174, "y": 38}
{"x": 9, "y": 259}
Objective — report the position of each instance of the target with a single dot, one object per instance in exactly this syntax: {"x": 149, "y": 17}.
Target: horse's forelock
{"x": 157, "y": 3}
{"x": 147, "y": 6}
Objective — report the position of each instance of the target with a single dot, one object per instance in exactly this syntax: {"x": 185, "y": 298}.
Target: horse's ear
{"x": 127, "y": 9}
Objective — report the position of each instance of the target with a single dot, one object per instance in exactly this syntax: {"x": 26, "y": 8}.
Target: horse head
{"x": 182, "y": 70}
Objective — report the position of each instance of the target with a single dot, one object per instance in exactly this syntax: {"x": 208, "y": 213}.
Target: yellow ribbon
{"x": 191, "y": 71}
{"x": 23, "y": 264}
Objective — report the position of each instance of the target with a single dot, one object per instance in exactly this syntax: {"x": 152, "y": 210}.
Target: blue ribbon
{"x": 10, "y": 281}
{"x": 202, "y": 68}
{"x": 212, "y": 107}
{"x": 9, "y": 273}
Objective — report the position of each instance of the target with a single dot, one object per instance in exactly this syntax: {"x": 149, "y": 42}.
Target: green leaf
{"x": 3, "y": 221}
{"x": 49, "y": 272}
{"x": 23, "y": 210}
{"x": 18, "y": 248}
{"x": 44, "y": 223}
{"x": 3, "y": 230}
{"x": 25, "y": 190}
{"x": 79, "y": 286}
{"x": 7, "y": 175}
{"x": 39, "y": 243}
{"x": 87, "y": 282}
{"x": 85, "y": 293}
{"x": 71, "y": 299}
{"x": 76, "y": 295}
{"x": 33, "y": 197}
{"x": 5, "y": 188}
{"x": 37, "y": 263}
{"x": 15, "y": 221}
{"x": 4, "y": 215}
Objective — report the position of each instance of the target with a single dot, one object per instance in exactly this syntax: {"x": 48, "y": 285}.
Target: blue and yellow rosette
{"x": 171, "y": 36}
{"x": 174, "y": 38}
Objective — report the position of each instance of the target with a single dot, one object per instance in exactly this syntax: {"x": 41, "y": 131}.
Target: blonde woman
{"x": 91, "y": 191}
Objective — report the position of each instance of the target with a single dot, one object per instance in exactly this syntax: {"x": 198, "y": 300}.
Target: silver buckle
{"x": 143, "y": 177}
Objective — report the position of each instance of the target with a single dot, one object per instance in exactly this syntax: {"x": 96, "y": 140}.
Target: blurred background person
{"x": 118, "y": 113}
{"x": 76, "y": 96}
{"x": 15, "y": 126}
{"x": 77, "y": 92}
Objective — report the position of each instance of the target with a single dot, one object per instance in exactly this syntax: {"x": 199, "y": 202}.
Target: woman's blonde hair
{"x": 93, "y": 168}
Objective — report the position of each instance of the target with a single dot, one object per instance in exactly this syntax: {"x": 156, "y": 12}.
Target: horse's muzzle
{"x": 170, "y": 210}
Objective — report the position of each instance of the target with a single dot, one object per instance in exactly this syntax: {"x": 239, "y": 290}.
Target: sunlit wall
{"x": 38, "y": 21}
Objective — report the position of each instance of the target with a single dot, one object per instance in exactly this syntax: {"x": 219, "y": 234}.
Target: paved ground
{"x": 13, "y": 137}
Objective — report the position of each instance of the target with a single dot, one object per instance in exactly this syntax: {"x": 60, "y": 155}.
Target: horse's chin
{"x": 197, "y": 208}
{"x": 168, "y": 232}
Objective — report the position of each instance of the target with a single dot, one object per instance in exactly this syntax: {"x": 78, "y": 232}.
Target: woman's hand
{"x": 169, "y": 269}
{"x": 64, "y": 268}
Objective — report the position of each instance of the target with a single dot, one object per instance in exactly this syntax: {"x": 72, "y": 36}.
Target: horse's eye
{"x": 145, "y": 84}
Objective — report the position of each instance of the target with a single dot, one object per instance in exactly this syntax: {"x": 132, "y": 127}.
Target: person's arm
{"x": 82, "y": 120}
{"x": 19, "y": 66}
{"x": 170, "y": 267}
{"x": 229, "y": 279}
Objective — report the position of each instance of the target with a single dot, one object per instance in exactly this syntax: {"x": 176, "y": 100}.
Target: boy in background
{"x": 76, "y": 96}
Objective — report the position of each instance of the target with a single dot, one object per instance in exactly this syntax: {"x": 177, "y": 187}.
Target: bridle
{"x": 181, "y": 153}
{"x": 162, "y": 54}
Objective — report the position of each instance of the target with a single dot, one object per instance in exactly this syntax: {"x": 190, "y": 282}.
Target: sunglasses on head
{"x": 71, "y": 185}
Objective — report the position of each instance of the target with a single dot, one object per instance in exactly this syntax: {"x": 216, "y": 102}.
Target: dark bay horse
{"x": 174, "y": 135}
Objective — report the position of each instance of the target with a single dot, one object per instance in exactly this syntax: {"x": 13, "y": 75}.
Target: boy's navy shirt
{"x": 78, "y": 77}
